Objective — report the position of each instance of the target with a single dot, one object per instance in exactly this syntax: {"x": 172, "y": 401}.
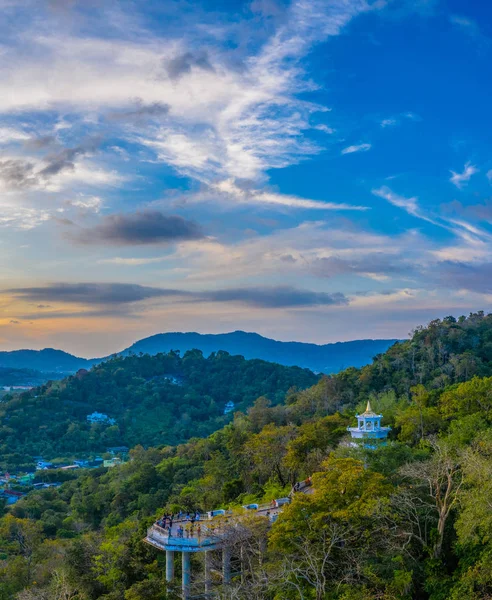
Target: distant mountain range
{"x": 327, "y": 358}
{"x": 47, "y": 360}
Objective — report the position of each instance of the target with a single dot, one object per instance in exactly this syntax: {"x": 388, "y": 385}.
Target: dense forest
{"x": 163, "y": 399}
{"x": 410, "y": 519}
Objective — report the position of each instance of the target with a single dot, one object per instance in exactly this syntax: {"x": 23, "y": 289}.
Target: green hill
{"x": 163, "y": 399}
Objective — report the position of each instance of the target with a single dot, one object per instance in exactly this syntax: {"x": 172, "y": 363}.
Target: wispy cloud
{"x": 459, "y": 179}
{"x": 216, "y": 120}
{"x": 410, "y": 205}
{"x": 99, "y": 294}
{"x": 324, "y": 128}
{"x": 92, "y": 293}
{"x": 474, "y": 239}
{"x": 467, "y": 25}
{"x": 356, "y": 148}
{"x": 245, "y": 194}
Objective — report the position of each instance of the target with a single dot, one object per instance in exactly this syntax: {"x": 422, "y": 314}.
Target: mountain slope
{"x": 163, "y": 399}
{"x": 328, "y": 358}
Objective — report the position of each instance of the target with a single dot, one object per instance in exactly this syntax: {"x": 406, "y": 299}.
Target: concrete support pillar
{"x": 208, "y": 569}
{"x": 169, "y": 565}
{"x": 186, "y": 583}
{"x": 226, "y": 565}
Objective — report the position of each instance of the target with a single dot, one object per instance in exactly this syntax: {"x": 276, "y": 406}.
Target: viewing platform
{"x": 161, "y": 538}
{"x": 206, "y": 533}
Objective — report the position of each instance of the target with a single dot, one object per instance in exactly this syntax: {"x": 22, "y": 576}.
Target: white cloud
{"x": 222, "y": 122}
{"x": 22, "y": 217}
{"x": 356, "y": 148}
{"x": 89, "y": 203}
{"x": 9, "y": 134}
{"x": 295, "y": 253}
{"x": 232, "y": 191}
{"x": 325, "y": 128}
{"x": 408, "y": 204}
{"x": 472, "y": 239}
{"x": 458, "y": 179}
{"x": 388, "y": 122}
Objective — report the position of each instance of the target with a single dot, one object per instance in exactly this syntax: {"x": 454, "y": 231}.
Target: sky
{"x": 312, "y": 170}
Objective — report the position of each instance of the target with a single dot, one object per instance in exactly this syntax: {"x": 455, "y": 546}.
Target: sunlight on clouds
{"x": 102, "y": 122}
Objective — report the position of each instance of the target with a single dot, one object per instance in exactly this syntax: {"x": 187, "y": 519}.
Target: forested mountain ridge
{"x": 327, "y": 358}
{"x": 407, "y": 521}
{"x": 324, "y": 358}
{"x": 444, "y": 352}
{"x": 162, "y": 399}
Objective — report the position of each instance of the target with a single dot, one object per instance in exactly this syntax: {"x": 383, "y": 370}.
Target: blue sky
{"x": 317, "y": 170}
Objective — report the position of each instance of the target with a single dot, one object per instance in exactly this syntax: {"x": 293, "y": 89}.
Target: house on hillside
{"x": 229, "y": 407}
{"x": 97, "y": 417}
{"x": 42, "y": 465}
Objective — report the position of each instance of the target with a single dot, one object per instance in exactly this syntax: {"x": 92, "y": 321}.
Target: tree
{"x": 308, "y": 449}
{"x": 440, "y": 480}
{"x": 266, "y": 451}
{"x": 26, "y": 535}
{"x": 153, "y": 589}
{"x": 331, "y": 536}
{"x": 468, "y": 398}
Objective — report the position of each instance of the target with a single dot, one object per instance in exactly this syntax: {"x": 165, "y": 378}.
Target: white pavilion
{"x": 369, "y": 426}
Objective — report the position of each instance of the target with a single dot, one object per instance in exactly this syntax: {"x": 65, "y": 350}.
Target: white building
{"x": 229, "y": 407}
{"x": 97, "y": 417}
{"x": 369, "y": 426}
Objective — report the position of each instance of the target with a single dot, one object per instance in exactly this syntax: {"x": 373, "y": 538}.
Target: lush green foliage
{"x": 408, "y": 520}
{"x": 140, "y": 394}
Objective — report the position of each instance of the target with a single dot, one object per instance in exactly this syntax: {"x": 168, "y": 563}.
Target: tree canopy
{"x": 409, "y": 519}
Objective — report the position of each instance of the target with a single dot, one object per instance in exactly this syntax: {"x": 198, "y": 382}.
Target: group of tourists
{"x": 190, "y": 517}
{"x": 188, "y": 531}
{"x": 166, "y": 521}
{"x": 189, "y": 520}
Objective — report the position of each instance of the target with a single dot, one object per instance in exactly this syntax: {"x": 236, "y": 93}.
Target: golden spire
{"x": 369, "y": 412}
